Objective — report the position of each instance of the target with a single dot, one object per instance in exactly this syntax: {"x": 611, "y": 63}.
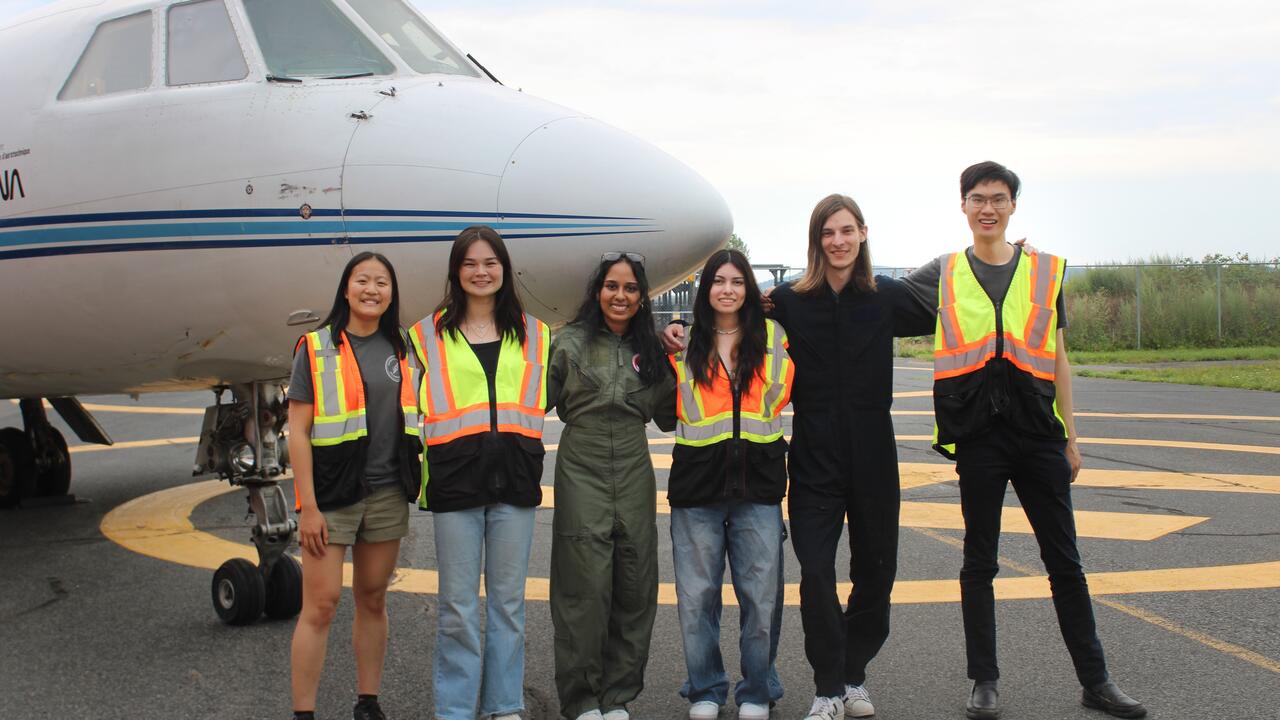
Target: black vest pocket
{"x": 337, "y": 473}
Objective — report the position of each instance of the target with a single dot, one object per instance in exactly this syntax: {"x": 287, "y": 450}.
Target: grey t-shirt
{"x": 995, "y": 279}
{"x": 380, "y": 370}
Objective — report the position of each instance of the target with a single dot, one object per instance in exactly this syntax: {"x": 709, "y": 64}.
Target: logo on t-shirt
{"x": 393, "y": 368}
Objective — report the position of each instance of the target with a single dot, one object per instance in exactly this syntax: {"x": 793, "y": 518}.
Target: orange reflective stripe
{"x": 353, "y": 385}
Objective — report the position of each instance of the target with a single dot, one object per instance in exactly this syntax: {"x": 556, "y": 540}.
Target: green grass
{"x": 1133, "y": 357}
{"x": 1262, "y": 376}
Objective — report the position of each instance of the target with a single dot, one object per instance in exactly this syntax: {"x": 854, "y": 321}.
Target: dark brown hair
{"x": 508, "y": 313}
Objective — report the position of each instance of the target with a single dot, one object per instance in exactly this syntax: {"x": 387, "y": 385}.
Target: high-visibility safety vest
{"x": 455, "y": 391}
{"x": 706, "y": 413}
{"x": 340, "y": 413}
{"x": 973, "y": 329}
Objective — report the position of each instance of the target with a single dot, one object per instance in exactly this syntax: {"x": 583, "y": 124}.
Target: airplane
{"x": 182, "y": 181}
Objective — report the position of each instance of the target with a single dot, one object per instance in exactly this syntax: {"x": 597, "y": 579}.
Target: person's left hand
{"x": 1074, "y": 459}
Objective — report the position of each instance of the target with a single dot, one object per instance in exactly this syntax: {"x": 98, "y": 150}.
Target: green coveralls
{"x": 604, "y": 555}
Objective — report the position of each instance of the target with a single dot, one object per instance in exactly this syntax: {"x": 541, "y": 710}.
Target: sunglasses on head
{"x": 616, "y": 255}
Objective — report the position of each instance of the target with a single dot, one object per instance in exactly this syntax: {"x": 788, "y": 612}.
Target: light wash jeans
{"x": 751, "y": 534}
{"x": 501, "y": 535}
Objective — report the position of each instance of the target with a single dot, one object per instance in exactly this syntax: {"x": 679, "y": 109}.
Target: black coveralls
{"x": 844, "y": 462}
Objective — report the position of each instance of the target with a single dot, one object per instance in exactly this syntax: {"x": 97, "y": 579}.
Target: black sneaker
{"x": 367, "y": 709}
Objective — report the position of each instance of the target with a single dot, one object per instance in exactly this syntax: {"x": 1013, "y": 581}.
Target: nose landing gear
{"x": 243, "y": 443}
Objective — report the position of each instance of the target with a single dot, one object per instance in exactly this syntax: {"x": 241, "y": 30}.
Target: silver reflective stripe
{"x": 772, "y": 395}
{"x": 411, "y": 421}
{"x": 1042, "y": 280}
{"x": 775, "y": 347}
{"x": 1045, "y": 366}
{"x": 724, "y": 427}
{"x": 435, "y": 380}
{"x": 524, "y": 420}
{"x": 334, "y": 402}
{"x": 950, "y": 333}
{"x": 334, "y": 428}
{"x": 532, "y": 339}
{"x": 944, "y": 363}
{"x": 534, "y": 390}
{"x": 1040, "y": 316}
{"x": 437, "y": 429}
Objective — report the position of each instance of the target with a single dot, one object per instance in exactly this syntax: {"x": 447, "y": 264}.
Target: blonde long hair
{"x": 816, "y": 272}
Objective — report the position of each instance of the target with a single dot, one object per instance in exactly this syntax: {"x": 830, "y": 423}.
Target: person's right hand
{"x": 673, "y": 338}
{"x": 767, "y": 302}
{"x": 313, "y": 532}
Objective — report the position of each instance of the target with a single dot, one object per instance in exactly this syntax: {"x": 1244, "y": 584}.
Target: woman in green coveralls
{"x": 608, "y": 377}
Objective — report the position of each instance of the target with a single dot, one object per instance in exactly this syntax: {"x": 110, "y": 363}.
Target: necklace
{"x": 726, "y": 332}
{"x": 478, "y": 328}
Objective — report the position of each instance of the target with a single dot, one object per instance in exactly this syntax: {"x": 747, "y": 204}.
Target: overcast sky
{"x": 1138, "y": 127}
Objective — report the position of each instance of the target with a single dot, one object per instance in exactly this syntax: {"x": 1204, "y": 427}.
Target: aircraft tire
{"x": 284, "y": 588}
{"x": 239, "y": 592}
{"x": 56, "y": 481}
{"x": 17, "y": 467}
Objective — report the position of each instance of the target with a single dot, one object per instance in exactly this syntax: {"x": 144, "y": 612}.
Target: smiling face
{"x": 619, "y": 297}
{"x": 988, "y": 207}
{"x": 480, "y": 274}
{"x": 369, "y": 290}
{"x": 728, "y": 290}
{"x": 842, "y": 239}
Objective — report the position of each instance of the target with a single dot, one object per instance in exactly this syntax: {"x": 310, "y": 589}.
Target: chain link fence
{"x": 1124, "y": 306}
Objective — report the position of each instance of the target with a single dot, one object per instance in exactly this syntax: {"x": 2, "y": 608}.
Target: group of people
{"x": 449, "y": 414}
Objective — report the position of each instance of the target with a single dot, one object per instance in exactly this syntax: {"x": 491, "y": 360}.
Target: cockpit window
{"x": 418, "y": 45}
{"x": 202, "y": 44}
{"x": 117, "y": 58}
{"x": 312, "y": 38}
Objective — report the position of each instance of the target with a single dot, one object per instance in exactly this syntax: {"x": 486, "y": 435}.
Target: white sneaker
{"x": 704, "y": 710}
{"x": 826, "y": 708}
{"x": 507, "y": 716}
{"x": 857, "y": 702}
{"x": 617, "y": 714}
{"x": 592, "y": 714}
{"x": 753, "y": 711}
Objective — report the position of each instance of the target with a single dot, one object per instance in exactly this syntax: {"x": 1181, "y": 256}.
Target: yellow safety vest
{"x": 969, "y": 333}
{"x": 706, "y": 413}
{"x": 455, "y": 391}
{"x": 339, "y": 414}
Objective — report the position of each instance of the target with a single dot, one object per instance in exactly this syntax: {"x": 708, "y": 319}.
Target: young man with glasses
{"x": 1003, "y": 411}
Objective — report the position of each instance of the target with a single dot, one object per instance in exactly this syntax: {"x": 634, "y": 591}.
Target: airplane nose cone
{"x": 582, "y": 187}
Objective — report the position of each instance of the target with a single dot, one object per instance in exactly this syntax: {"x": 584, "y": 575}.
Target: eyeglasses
{"x": 616, "y": 255}
{"x": 998, "y": 202}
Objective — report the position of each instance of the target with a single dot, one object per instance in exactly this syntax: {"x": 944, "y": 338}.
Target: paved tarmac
{"x": 1178, "y": 478}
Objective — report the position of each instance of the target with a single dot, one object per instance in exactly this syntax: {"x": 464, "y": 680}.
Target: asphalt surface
{"x": 89, "y": 629}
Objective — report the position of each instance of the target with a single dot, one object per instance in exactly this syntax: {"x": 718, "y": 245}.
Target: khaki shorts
{"x": 382, "y": 516}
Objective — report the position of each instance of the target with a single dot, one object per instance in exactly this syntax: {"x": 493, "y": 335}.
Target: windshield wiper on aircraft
{"x": 485, "y": 69}
{"x": 347, "y": 77}
{"x": 283, "y": 79}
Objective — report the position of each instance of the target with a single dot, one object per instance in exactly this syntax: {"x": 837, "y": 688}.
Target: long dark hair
{"x": 508, "y": 313}
{"x": 815, "y": 274}
{"x": 644, "y": 338}
{"x": 340, "y": 313}
{"x": 702, "y": 354}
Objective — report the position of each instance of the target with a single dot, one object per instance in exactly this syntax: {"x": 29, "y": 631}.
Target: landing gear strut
{"x": 243, "y": 443}
{"x": 35, "y": 463}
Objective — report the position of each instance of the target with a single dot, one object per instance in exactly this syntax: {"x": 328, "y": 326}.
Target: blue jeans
{"x": 502, "y": 535}
{"x": 751, "y": 534}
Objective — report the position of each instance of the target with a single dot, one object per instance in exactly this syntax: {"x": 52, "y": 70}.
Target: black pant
{"x": 840, "y": 641}
{"x": 1041, "y": 477}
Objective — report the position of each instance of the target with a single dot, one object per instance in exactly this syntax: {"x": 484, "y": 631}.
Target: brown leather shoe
{"x": 984, "y": 701}
{"x": 1109, "y": 698}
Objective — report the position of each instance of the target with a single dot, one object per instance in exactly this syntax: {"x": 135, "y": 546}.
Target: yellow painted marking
{"x": 96, "y": 407}
{"x": 1183, "y": 444}
{"x": 1209, "y": 482}
{"x": 927, "y": 369}
{"x": 1223, "y": 646}
{"x": 914, "y": 393}
{"x": 134, "y": 444}
{"x": 1122, "y": 416}
{"x": 946, "y": 516}
{"x": 159, "y": 526}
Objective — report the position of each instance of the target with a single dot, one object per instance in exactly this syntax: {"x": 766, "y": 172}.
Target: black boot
{"x": 984, "y": 701}
{"x": 367, "y": 709}
{"x": 1109, "y": 698}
